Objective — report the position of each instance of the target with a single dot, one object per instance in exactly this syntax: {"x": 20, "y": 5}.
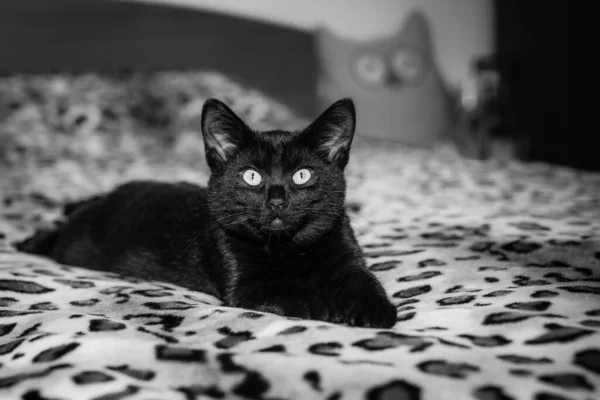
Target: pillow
{"x": 394, "y": 81}
{"x": 69, "y": 136}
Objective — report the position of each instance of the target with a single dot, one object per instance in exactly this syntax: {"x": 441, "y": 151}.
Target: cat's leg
{"x": 75, "y": 244}
{"x": 359, "y": 297}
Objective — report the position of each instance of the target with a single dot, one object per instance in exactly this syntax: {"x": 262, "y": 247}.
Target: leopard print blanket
{"x": 494, "y": 267}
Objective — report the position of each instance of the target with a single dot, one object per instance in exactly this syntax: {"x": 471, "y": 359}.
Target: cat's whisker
{"x": 230, "y": 216}
{"x": 236, "y": 222}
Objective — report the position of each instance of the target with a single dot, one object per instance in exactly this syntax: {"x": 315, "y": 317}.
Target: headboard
{"x": 108, "y": 36}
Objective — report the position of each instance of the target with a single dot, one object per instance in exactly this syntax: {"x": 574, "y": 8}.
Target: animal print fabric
{"x": 494, "y": 268}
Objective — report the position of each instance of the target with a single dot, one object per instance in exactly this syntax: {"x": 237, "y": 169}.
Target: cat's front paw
{"x": 363, "y": 302}
{"x": 369, "y": 310}
{"x": 307, "y": 305}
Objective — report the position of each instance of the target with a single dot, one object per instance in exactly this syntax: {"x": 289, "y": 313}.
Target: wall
{"x": 462, "y": 28}
{"x": 75, "y": 36}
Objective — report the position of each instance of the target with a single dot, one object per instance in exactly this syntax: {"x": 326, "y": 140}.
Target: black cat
{"x": 269, "y": 233}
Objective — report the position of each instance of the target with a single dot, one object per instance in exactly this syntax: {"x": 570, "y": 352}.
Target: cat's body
{"x": 270, "y": 232}
{"x": 150, "y": 230}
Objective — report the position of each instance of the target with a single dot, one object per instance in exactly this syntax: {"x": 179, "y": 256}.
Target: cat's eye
{"x": 408, "y": 64}
{"x": 252, "y": 177}
{"x": 371, "y": 69}
{"x": 301, "y": 176}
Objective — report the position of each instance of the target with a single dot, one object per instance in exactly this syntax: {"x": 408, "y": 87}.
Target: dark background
{"x": 546, "y": 43}
{"x": 536, "y": 37}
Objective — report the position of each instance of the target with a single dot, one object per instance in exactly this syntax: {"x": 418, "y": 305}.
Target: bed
{"x": 493, "y": 266}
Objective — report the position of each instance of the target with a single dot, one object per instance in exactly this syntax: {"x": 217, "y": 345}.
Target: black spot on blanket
{"x": 412, "y": 292}
{"x": 448, "y": 369}
{"x": 7, "y": 301}
{"x": 391, "y": 253}
{"x": 54, "y": 353}
{"x": 76, "y": 284}
{"x": 567, "y": 381}
{"x": 456, "y": 300}
{"x": 36, "y": 395}
{"x": 128, "y": 391}
{"x": 588, "y": 359}
{"x": 549, "y": 396}
{"x": 253, "y": 386}
{"x": 105, "y": 325}
{"x": 200, "y": 392}
{"x": 87, "y": 377}
{"x": 418, "y": 277}
{"x": 251, "y": 315}
{"x": 505, "y": 317}
{"x": 491, "y": 392}
{"x": 396, "y": 389}
{"x": 179, "y": 354}
{"x": 389, "y": 340}
{"x": 278, "y": 348}
{"x": 168, "y": 321}
{"x": 521, "y": 247}
{"x": 228, "y": 365}
{"x": 544, "y": 294}
{"x": 293, "y": 330}
{"x": 582, "y": 289}
{"x": 232, "y": 338}
{"x": 487, "y": 341}
{"x": 5, "y": 329}
{"x": 498, "y": 293}
{"x": 12, "y": 380}
{"x": 45, "y": 306}
{"x": 530, "y": 305}
{"x": 559, "y": 334}
{"x": 169, "y": 305}
{"x": 326, "y": 349}
{"x": 85, "y": 303}
{"x": 314, "y": 380}
{"x": 10, "y": 346}
{"x": 523, "y": 280}
{"x": 20, "y": 286}
{"x": 384, "y": 266}
{"x": 141, "y": 374}
{"x": 431, "y": 262}
{"x": 519, "y": 359}
{"x": 11, "y": 313}
{"x": 152, "y": 293}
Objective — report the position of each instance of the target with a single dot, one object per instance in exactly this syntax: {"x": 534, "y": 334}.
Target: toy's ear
{"x": 332, "y": 132}
{"x": 417, "y": 32}
{"x": 222, "y": 130}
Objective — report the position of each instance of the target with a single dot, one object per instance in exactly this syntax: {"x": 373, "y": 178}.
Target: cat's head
{"x": 277, "y": 183}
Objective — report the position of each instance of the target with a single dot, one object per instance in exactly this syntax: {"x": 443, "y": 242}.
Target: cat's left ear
{"x": 223, "y": 132}
{"x": 332, "y": 132}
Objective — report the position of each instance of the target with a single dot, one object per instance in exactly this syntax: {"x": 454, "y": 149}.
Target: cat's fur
{"x": 221, "y": 239}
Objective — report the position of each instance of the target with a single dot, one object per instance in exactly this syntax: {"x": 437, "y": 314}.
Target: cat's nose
{"x": 276, "y": 197}
{"x": 276, "y": 202}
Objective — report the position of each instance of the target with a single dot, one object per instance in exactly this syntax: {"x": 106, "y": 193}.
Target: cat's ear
{"x": 222, "y": 130}
{"x": 332, "y": 132}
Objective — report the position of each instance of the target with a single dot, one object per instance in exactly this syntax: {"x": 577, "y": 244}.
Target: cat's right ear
{"x": 332, "y": 132}
{"x": 222, "y": 130}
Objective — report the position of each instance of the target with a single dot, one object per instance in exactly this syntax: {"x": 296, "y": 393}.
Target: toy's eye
{"x": 371, "y": 69}
{"x": 408, "y": 65}
{"x": 251, "y": 177}
{"x": 301, "y": 176}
